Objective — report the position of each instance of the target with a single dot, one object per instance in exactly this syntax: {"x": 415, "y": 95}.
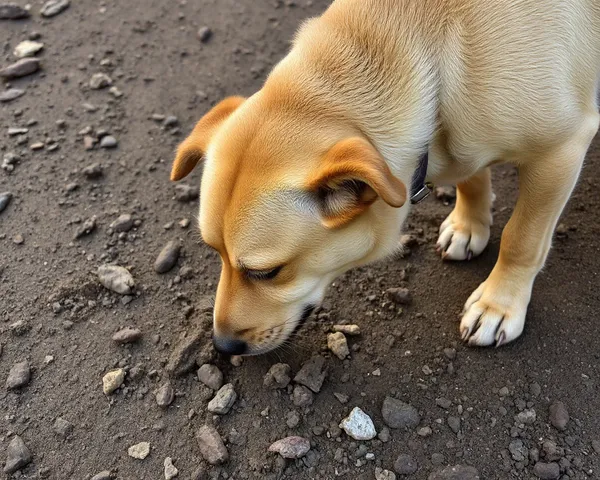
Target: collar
{"x": 419, "y": 188}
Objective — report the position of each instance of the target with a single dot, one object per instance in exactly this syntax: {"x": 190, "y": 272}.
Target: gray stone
{"x": 211, "y": 376}
{"x": 12, "y": 11}
{"x": 559, "y": 415}
{"x": 223, "y": 400}
{"x": 291, "y": 447}
{"x": 204, "y": 34}
{"x": 454, "y": 424}
{"x": 170, "y": 470}
{"x": 17, "y": 455}
{"x": 527, "y": 417}
{"x": 170, "y": 121}
{"x": 122, "y": 224}
{"x": 397, "y": 414}
{"x": 116, "y": 278}
{"x": 127, "y": 335}
{"x": 5, "y": 198}
{"x": 186, "y": 193}
{"x": 183, "y": 358}
{"x": 23, "y": 67}
{"x": 19, "y": 376}
{"x": 302, "y": 396}
{"x": 292, "y": 419}
{"x": 104, "y": 475}
{"x": 139, "y": 451}
{"x": 86, "y": 228}
{"x": 455, "y": 472}
{"x": 165, "y": 395}
{"x": 359, "y": 425}
{"x": 54, "y": 7}
{"x": 62, "y": 427}
{"x": 312, "y": 374}
{"x": 92, "y": 171}
{"x": 400, "y": 296}
{"x": 108, "y": 142}
{"x": 99, "y": 81}
{"x": 11, "y": 94}
{"x": 405, "y": 465}
{"x": 337, "y": 343}
{"x": 278, "y": 376}
{"x": 381, "y": 474}
{"x": 518, "y": 450}
{"x": 546, "y": 471}
{"x": 211, "y": 445}
{"x": 168, "y": 256}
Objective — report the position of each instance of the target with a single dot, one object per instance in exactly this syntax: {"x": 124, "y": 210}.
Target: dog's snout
{"x": 229, "y": 346}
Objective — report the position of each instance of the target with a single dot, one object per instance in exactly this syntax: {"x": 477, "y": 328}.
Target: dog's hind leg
{"x": 466, "y": 231}
{"x": 495, "y": 312}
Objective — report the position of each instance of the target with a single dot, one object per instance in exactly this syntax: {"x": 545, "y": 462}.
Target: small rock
{"x": 456, "y": 472}
{"x": 108, "y": 142}
{"x": 559, "y": 415}
{"x": 341, "y": 397}
{"x": 518, "y": 450}
{"x": 527, "y": 417}
{"x": 167, "y": 258}
{"x": 186, "y": 193}
{"x": 165, "y": 395}
{"x": 112, "y": 380}
{"x": 454, "y": 424}
{"x": 384, "y": 474}
{"x": 170, "y": 121}
{"x": 62, "y": 427}
{"x": 183, "y": 358}
{"x": 291, "y": 447}
{"x": 11, "y": 94}
{"x": 170, "y": 470}
{"x": 127, "y": 335}
{"x": 122, "y": 224}
{"x": 27, "y": 48}
{"x": 405, "y": 465}
{"x": 312, "y": 374}
{"x": 397, "y": 414}
{"x": 504, "y": 392}
{"x": 278, "y": 376}
{"x": 18, "y": 239}
{"x": 445, "y": 193}
{"x": 22, "y": 68}
{"x": 100, "y": 80}
{"x": 5, "y": 198}
{"x": 115, "y": 278}
{"x": 443, "y": 403}
{"x": 337, "y": 343}
{"x": 292, "y": 419}
{"x": 223, "y": 400}
{"x": 204, "y": 34}
{"x": 302, "y": 396}
{"x": 104, "y": 475}
{"x": 211, "y": 445}
{"x": 425, "y": 432}
{"x": 12, "y": 11}
{"x": 54, "y": 7}
{"x": 17, "y": 455}
{"x": 139, "y": 450}
{"x": 546, "y": 471}
{"x": 19, "y": 376}
{"x": 92, "y": 171}
{"x": 359, "y": 425}
{"x": 86, "y": 228}
{"x": 211, "y": 376}
{"x": 400, "y": 296}
{"x": 596, "y": 446}
{"x": 351, "y": 330}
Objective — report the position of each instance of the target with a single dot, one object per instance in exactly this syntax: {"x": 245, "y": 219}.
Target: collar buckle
{"x": 421, "y": 194}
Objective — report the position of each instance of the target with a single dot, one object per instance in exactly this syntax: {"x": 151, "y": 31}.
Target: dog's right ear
{"x": 193, "y": 148}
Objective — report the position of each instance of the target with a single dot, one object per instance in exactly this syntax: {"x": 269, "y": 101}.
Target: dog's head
{"x": 289, "y": 200}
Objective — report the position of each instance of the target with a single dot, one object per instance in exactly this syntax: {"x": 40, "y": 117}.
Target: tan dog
{"x": 309, "y": 177}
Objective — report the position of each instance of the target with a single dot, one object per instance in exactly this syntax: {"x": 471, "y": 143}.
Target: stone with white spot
{"x": 112, "y": 380}
{"x": 291, "y": 447}
{"x": 116, "y": 278}
{"x": 223, "y": 400}
{"x": 170, "y": 470}
{"x": 27, "y": 48}
{"x": 359, "y": 425}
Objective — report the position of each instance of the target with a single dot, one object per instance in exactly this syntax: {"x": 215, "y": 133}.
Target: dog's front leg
{"x": 495, "y": 312}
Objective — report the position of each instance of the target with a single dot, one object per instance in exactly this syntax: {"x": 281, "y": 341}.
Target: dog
{"x": 311, "y": 176}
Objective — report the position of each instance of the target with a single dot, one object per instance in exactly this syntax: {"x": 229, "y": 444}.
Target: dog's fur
{"x": 310, "y": 173}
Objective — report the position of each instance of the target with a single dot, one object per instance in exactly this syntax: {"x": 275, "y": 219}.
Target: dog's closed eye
{"x": 262, "y": 274}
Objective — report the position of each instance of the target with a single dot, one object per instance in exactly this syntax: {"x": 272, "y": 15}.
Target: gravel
{"x": 168, "y": 256}
{"x": 54, "y": 7}
{"x": 127, "y": 335}
{"x": 112, "y": 380}
{"x": 139, "y": 450}
{"x": 116, "y": 278}
{"x": 397, "y": 414}
{"x": 170, "y": 470}
{"x": 17, "y": 455}
{"x": 559, "y": 415}
{"x": 405, "y": 465}
{"x": 312, "y": 374}
{"x": 291, "y": 447}
{"x": 12, "y": 11}
{"x": 19, "y": 376}
{"x": 211, "y": 445}
{"x": 223, "y": 400}
{"x": 165, "y": 395}
{"x": 546, "y": 471}
{"x": 211, "y": 376}
{"x": 22, "y": 68}
{"x": 358, "y": 425}
{"x": 278, "y": 376}
{"x": 337, "y": 343}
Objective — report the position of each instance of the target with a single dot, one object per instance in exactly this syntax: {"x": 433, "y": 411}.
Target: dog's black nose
{"x": 229, "y": 346}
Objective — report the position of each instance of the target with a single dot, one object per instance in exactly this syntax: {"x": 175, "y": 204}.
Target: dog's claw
{"x": 464, "y": 333}
{"x": 470, "y": 255}
{"x": 501, "y": 339}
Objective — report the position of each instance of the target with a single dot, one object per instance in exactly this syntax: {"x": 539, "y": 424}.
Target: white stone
{"x": 139, "y": 450}
{"x": 170, "y": 470}
{"x": 27, "y": 48}
{"x": 359, "y": 425}
{"x": 113, "y": 380}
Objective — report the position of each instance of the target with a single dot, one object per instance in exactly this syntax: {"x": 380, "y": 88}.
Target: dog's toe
{"x": 462, "y": 238}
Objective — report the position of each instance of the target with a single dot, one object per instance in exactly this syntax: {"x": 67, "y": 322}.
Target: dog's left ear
{"x": 192, "y": 149}
{"x": 351, "y": 176}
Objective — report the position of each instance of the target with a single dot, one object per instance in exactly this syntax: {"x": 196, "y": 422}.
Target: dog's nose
{"x": 229, "y": 346}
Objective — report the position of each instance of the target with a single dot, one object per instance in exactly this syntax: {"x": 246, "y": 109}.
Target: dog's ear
{"x": 192, "y": 149}
{"x": 351, "y": 176}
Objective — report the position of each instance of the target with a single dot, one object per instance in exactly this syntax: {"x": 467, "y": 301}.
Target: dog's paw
{"x": 462, "y": 237}
{"x": 494, "y": 315}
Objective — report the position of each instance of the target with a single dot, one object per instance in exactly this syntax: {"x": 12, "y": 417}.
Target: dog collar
{"x": 419, "y": 188}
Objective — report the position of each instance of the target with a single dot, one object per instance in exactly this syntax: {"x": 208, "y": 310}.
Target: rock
{"x": 454, "y": 424}
{"x": 27, "y": 48}
{"x": 112, "y": 380}
{"x": 19, "y": 376}
{"x": 292, "y": 419}
{"x": 456, "y": 472}
{"x": 127, "y": 335}
{"x": 223, "y": 400}
{"x": 211, "y": 445}
{"x": 62, "y": 427}
{"x": 559, "y": 415}
{"x": 302, "y": 396}
{"x": 527, "y": 417}
{"x": 182, "y": 359}
{"x": 204, "y": 34}
{"x": 596, "y": 446}
{"x": 22, "y": 68}
{"x": 397, "y": 414}
{"x": 86, "y": 228}
{"x": 167, "y": 258}
{"x": 186, "y": 193}
{"x": 139, "y": 450}
{"x": 425, "y": 432}
{"x": 518, "y": 450}
{"x": 211, "y": 376}
{"x": 5, "y": 198}
{"x": 443, "y": 403}
{"x": 122, "y": 224}
{"x": 312, "y": 374}
{"x": 12, "y": 11}
{"x": 445, "y": 193}
{"x": 92, "y": 171}
{"x": 103, "y": 475}
{"x": 99, "y": 81}
{"x": 115, "y": 278}
{"x": 347, "y": 329}
{"x": 405, "y": 465}
{"x": 291, "y": 447}
{"x": 546, "y": 471}
{"x": 17, "y": 455}
{"x": 400, "y": 296}
{"x": 278, "y": 376}
{"x": 384, "y": 474}
{"x": 337, "y": 343}
{"x": 89, "y": 142}
{"x": 171, "y": 121}
{"x": 170, "y": 470}
{"x": 11, "y": 94}
{"x": 54, "y": 7}
{"x": 108, "y": 142}
{"x": 165, "y": 395}
{"x": 358, "y": 425}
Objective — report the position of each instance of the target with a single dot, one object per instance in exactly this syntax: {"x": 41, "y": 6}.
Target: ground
{"x": 55, "y": 315}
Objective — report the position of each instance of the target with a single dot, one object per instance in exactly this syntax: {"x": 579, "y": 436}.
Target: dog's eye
{"x": 263, "y": 274}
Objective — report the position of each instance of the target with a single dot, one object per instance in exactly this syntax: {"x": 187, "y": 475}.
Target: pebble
{"x": 11, "y": 94}
{"x": 337, "y": 343}
{"x": 18, "y": 239}
{"x": 103, "y": 475}
{"x": 112, "y": 380}
{"x": 527, "y": 417}
{"x": 443, "y": 403}
{"x": 62, "y": 427}
{"x": 278, "y": 376}
{"x": 312, "y": 374}
{"x": 405, "y": 465}
{"x": 291, "y": 447}
{"x": 17, "y": 455}
{"x": 127, "y": 335}
{"x": 358, "y": 425}
{"x": 99, "y": 81}
{"x": 559, "y": 415}
{"x": 400, "y": 296}
{"x": 5, "y": 198}
{"x": 54, "y": 7}
{"x": 116, "y": 278}
{"x": 351, "y": 330}
{"x": 397, "y": 414}
{"x": 170, "y": 470}
{"x": 211, "y": 445}
{"x": 167, "y": 258}
{"x": 302, "y": 396}
{"x": 211, "y": 376}
{"x": 139, "y": 450}
{"x": 171, "y": 121}
{"x": 381, "y": 474}
{"x": 165, "y": 395}
{"x": 186, "y": 193}
{"x": 92, "y": 171}
{"x": 223, "y": 400}
{"x": 108, "y": 142}
{"x": 292, "y": 419}
{"x": 36, "y": 146}
{"x": 455, "y": 472}
{"x": 546, "y": 471}
{"x": 27, "y": 48}
{"x": 122, "y": 224}
{"x": 19, "y": 376}
{"x": 454, "y": 424}
{"x": 204, "y": 34}
{"x": 596, "y": 446}
{"x": 518, "y": 450}
{"x": 12, "y": 11}
{"x": 425, "y": 432}
{"x": 86, "y": 228}
{"x": 183, "y": 357}
{"x": 22, "y": 68}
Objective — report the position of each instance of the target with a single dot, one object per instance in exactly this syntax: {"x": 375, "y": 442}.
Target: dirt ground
{"x": 485, "y": 408}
